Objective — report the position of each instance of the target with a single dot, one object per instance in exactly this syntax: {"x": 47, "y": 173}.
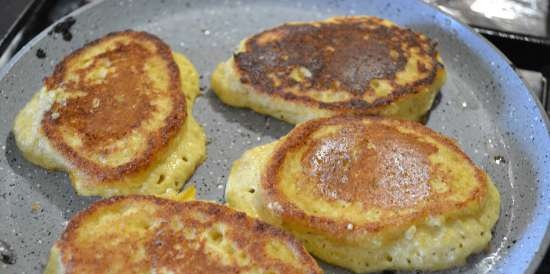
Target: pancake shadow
{"x": 437, "y": 101}
{"x": 251, "y": 120}
{"x": 52, "y": 185}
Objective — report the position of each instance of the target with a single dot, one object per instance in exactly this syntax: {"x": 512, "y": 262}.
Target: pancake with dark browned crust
{"x": 116, "y": 115}
{"x": 143, "y": 234}
{"x": 370, "y": 194}
{"x": 361, "y": 65}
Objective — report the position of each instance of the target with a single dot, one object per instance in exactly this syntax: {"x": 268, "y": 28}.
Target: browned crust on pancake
{"x": 156, "y": 142}
{"x": 254, "y": 70}
{"x": 290, "y": 213}
{"x": 192, "y": 261}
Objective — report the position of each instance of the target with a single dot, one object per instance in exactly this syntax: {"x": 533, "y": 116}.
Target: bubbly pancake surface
{"x": 143, "y": 234}
{"x": 340, "y": 65}
{"x": 370, "y": 193}
{"x": 116, "y": 114}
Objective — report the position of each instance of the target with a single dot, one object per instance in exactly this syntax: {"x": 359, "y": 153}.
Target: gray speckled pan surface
{"x": 484, "y": 106}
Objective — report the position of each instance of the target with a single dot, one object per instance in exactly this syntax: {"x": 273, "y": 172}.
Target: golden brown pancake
{"x": 362, "y": 65}
{"x": 143, "y": 234}
{"x": 116, "y": 114}
{"x": 98, "y": 118}
{"x": 370, "y": 194}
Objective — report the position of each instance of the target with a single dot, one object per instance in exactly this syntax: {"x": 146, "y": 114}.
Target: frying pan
{"x": 484, "y": 105}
